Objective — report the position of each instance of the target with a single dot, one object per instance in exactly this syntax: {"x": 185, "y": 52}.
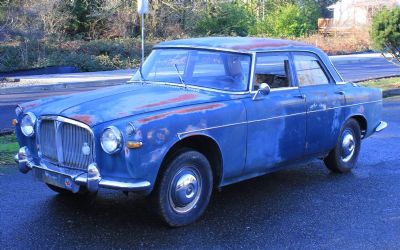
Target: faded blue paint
{"x": 254, "y": 137}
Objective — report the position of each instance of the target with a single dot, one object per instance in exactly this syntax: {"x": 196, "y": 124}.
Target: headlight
{"x": 28, "y": 124}
{"x": 111, "y": 140}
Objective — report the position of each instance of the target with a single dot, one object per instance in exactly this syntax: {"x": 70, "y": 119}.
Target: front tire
{"x": 343, "y": 157}
{"x": 184, "y": 189}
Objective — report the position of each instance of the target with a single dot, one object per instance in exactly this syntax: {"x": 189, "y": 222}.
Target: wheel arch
{"x": 203, "y": 144}
{"x": 362, "y": 122}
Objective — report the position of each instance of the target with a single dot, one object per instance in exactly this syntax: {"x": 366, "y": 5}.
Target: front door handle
{"x": 341, "y": 92}
{"x": 300, "y": 96}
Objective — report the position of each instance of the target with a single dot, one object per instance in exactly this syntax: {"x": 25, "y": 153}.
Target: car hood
{"x": 107, "y": 104}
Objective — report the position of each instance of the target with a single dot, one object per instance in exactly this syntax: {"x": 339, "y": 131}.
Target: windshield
{"x": 210, "y": 69}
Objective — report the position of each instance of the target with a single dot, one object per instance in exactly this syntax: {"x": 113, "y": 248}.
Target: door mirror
{"x": 264, "y": 89}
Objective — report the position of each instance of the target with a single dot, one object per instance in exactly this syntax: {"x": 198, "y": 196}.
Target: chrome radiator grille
{"x": 64, "y": 142}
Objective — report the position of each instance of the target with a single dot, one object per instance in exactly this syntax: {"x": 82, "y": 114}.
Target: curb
{"x": 390, "y": 92}
{"x": 58, "y": 86}
{"x": 7, "y": 131}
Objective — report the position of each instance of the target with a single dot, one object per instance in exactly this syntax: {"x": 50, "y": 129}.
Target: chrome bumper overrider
{"x": 91, "y": 179}
{"x": 382, "y": 125}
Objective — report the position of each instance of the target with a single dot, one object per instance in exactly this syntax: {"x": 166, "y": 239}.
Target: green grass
{"x": 8, "y": 148}
{"x": 384, "y": 83}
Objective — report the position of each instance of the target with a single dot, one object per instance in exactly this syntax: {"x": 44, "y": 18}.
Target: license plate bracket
{"x": 56, "y": 179}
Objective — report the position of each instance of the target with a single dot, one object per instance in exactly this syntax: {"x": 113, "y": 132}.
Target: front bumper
{"x": 72, "y": 179}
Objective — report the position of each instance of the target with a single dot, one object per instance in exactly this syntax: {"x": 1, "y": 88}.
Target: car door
{"x": 324, "y": 100}
{"x": 277, "y": 121}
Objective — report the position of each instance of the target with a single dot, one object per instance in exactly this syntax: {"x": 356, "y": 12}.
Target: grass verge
{"x": 384, "y": 83}
{"x": 8, "y": 148}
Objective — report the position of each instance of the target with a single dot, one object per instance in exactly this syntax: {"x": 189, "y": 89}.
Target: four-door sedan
{"x": 199, "y": 114}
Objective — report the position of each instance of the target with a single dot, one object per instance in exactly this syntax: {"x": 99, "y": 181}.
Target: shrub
{"x": 224, "y": 18}
{"x": 287, "y": 20}
{"x": 385, "y": 33}
{"x": 87, "y": 56}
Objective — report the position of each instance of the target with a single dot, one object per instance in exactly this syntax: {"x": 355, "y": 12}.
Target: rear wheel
{"x": 184, "y": 189}
{"x": 344, "y": 156}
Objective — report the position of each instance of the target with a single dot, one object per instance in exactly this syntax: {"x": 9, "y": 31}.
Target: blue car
{"x": 199, "y": 114}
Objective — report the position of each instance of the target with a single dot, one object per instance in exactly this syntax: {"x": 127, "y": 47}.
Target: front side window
{"x": 272, "y": 69}
{"x": 210, "y": 69}
{"x": 309, "y": 71}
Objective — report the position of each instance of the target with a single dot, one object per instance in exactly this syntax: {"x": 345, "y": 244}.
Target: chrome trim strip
{"x": 382, "y": 125}
{"x": 278, "y": 89}
{"x": 66, "y": 120}
{"x": 270, "y": 118}
{"x": 201, "y": 47}
{"x": 344, "y": 106}
{"x": 124, "y": 185}
{"x": 252, "y": 70}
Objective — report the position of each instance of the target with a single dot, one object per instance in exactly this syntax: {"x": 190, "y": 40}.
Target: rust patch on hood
{"x": 181, "y": 111}
{"x": 180, "y": 98}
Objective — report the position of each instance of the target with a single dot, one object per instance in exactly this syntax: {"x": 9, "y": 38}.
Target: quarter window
{"x": 272, "y": 69}
{"x": 309, "y": 71}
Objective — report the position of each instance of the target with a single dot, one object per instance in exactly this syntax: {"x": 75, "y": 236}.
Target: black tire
{"x": 182, "y": 206}
{"x": 342, "y": 159}
{"x": 62, "y": 191}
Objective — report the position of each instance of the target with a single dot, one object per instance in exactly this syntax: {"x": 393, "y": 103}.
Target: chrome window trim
{"x": 323, "y": 66}
{"x": 249, "y": 83}
{"x": 62, "y": 119}
{"x": 252, "y": 53}
{"x": 202, "y": 48}
{"x": 252, "y": 71}
{"x": 270, "y": 118}
{"x": 278, "y": 89}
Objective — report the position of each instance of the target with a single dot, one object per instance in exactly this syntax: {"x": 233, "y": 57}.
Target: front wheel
{"x": 344, "y": 156}
{"x": 184, "y": 189}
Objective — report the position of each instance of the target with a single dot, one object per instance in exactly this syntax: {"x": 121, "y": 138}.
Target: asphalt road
{"x": 302, "y": 208}
{"x": 352, "y": 68}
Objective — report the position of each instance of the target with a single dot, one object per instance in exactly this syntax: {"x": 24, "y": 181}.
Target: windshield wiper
{"x": 180, "y": 76}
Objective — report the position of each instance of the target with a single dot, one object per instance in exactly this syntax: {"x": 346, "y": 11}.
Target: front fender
{"x": 224, "y": 122}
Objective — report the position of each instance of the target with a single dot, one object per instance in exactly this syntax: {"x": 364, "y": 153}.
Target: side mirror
{"x": 263, "y": 90}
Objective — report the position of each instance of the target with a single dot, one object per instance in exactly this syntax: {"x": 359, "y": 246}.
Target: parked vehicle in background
{"x": 201, "y": 113}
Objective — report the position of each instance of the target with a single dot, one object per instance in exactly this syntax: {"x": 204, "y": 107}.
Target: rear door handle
{"x": 341, "y": 92}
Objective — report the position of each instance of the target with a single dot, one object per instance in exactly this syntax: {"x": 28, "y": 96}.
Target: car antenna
{"x": 180, "y": 76}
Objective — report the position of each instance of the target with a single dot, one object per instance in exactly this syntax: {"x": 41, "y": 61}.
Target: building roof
{"x": 242, "y": 44}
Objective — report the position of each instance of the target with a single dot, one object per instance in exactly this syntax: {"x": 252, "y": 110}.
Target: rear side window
{"x": 272, "y": 69}
{"x": 309, "y": 71}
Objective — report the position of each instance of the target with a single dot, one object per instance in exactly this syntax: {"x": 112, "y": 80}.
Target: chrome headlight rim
{"x": 33, "y": 120}
{"x": 18, "y": 110}
{"x": 118, "y": 135}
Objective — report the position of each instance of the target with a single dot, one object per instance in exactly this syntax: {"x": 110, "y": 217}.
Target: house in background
{"x": 352, "y": 15}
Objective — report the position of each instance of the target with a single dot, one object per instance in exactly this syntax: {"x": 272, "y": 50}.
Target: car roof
{"x": 239, "y": 44}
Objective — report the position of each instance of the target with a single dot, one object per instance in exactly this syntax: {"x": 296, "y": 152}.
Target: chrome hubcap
{"x": 185, "y": 190}
{"x": 348, "y": 146}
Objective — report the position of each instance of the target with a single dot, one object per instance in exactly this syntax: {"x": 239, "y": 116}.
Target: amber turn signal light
{"x": 134, "y": 144}
{"x": 14, "y": 122}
